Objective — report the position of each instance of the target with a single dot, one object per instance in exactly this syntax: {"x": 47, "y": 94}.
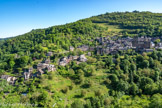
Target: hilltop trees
{"x": 142, "y": 23}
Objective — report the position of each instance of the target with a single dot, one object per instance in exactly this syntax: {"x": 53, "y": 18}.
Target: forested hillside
{"x": 63, "y": 67}
{"x": 141, "y": 23}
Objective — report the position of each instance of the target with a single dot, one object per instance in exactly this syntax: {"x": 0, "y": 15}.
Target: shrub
{"x": 98, "y": 93}
{"x": 107, "y": 101}
{"x": 65, "y": 90}
{"x": 71, "y": 86}
{"x": 83, "y": 93}
{"x": 107, "y": 81}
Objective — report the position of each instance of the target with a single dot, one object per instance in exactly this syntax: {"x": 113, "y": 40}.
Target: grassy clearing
{"x": 114, "y": 28}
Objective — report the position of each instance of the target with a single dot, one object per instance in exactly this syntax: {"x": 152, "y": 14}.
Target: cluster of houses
{"x": 112, "y": 45}
{"x": 41, "y": 67}
{"x": 65, "y": 60}
{"x": 28, "y": 73}
{"x": 106, "y": 45}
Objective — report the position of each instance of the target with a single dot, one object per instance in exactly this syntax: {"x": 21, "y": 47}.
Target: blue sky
{"x": 20, "y": 16}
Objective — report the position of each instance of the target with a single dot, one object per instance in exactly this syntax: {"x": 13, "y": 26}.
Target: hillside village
{"x": 110, "y": 60}
{"x": 112, "y": 46}
{"x": 106, "y": 45}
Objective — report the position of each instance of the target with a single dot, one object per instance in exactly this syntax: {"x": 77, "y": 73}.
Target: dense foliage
{"x": 142, "y": 23}
{"x": 125, "y": 79}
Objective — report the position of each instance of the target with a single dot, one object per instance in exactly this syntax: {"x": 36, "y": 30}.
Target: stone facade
{"x": 49, "y": 54}
{"x": 71, "y": 48}
{"x": 41, "y": 67}
{"x": 27, "y": 73}
{"x": 9, "y": 79}
{"x": 82, "y": 58}
{"x": 141, "y": 43}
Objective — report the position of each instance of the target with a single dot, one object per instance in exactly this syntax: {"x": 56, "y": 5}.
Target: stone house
{"x": 159, "y": 46}
{"x": 41, "y": 67}
{"x": 27, "y": 73}
{"x": 51, "y": 68}
{"x": 114, "y": 52}
{"x": 106, "y": 51}
{"x": 47, "y": 61}
{"x": 40, "y": 71}
{"x": 63, "y": 61}
{"x": 70, "y": 57}
{"x": 16, "y": 56}
{"x": 75, "y": 57}
{"x": 82, "y": 58}
{"x": 89, "y": 54}
{"x": 92, "y": 48}
{"x": 71, "y": 48}
{"x": 49, "y": 54}
{"x": 98, "y": 51}
{"x": 6, "y": 77}
{"x": 142, "y": 43}
{"x": 30, "y": 69}
{"x": 83, "y": 47}
{"x": 148, "y": 50}
{"x": 9, "y": 79}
